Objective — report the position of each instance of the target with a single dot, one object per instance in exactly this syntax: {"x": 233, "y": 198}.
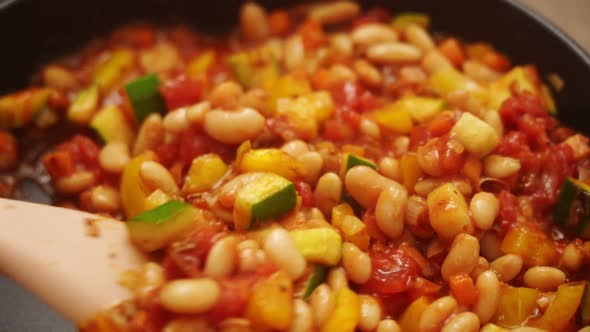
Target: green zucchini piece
{"x": 584, "y": 311}
{"x": 156, "y": 228}
{"x": 573, "y": 207}
{"x": 84, "y": 105}
{"x": 145, "y": 97}
{"x": 267, "y": 197}
{"x": 422, "y": 109}
{"x": 403, "y": 20}
{"x": 318, "y": 245}
{"x": 241, "y": 67}
{"x": 315, "y": 278}
{"x": 111, "y": 125}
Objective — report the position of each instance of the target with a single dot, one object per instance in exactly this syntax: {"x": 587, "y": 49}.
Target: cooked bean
{"x": 74, "y": 183}
{"x": 233, "y": 127}
{"x": 448, "y": 212}
{"x": 196, "y": 113}
{"x": 60, "y": 78}
{"x": 365, "y": 185}
{"x": 328, "y": 192}
{"x": 463, "y": 322}
{"x": 369, "y": 128}
{"x": 393, "y": 53}
{"x": 337, "y": 279}
{"x": 573, "y": 257}
{"x": 388, "y": 325}
{"x": 156, "y": 176}
{"x": 322, "y": 302}
{"x": 434, "y": 61}
{"x": 436, "y": 313}
{"x": 280, "y": 249}
{"x": 253, "y": 22}
{"x": 499, "y": 167}
{"x": 190, "y": 296}
{"x": 315, "y": 213}
{"x": 480, "y": 72}
{"x": 462, "y": 257}
{"x": 187, "y": 325}
{"x": 176, "y": 121}
{"x": 507, "y": 267}
{"x": 427, "y": 185}
{"x": 341, "y": 44}
{"x": 584, "y": 329}
{"x": 295, "y": 148}
{"x": 390, "y": 211}
{"x": 370, "y": 313}
{"x": 221, "y": 260}
{"x": 160, "y": 57}
{"x": 294, "y": 52}
{"x": 334, "y": 12}
{"x": 373, "y": 33}
{"x": 302, "y": 320}
{"x": 226, "y": 95}
{"x": 105, "y": 199}
{"x": 150, "y": 135}
{"x": 528, "y": 329}
{"x": 248, "y": 255}
{"x": 151, "y": 277}
{"x": 113, "y": 157}
{"x": 367, "y": 73}
{"x": 356, "y": 263}
{"x": 413, "y": 74}
{"x": 544, "y": 277}
{"x": 488, "y": 288}
{"x": 484, "y": 208}
{"x": 419, "y": 37}
{"x": 389, "y": 167}
{"x": 313, "y": 163}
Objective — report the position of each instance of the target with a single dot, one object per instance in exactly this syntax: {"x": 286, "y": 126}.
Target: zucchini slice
{"x": 145, "y": 96}
{"x": 111, "y": 125}
{"x": 318, "y": 245}
{"x": 155, "y": 229}
{"x": 573, "y": 207}
{"x": 267, "y": 197}
{"x": 81, "y": 109}
{"x": 315, "y": 278}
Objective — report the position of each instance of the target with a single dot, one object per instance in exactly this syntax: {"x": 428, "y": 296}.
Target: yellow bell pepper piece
{"x": 346, "y": 314}
{"x": 531, "y": 244}
{"x": 476, "y": 135}
{"x": 422, "y": 109}
{"x": 354, "y": 230}
{"x": 548, "y": 100}
{"x": 339, "y": 213}
{"x": 110, "y": 72}
{"x": 410, "y": 318}
{"x": 394, "y": 117}
{"x": 155, "y": 199}
{"x": 501, "y": 89}
{"x": 448, "y": 80}
{"x": 285, "y": 87}
{"x": 199, "y": 65}
{"x": 133, "y": 193}
{"x": 516, "y": 305}
{"x": 204, "y": 173}
{"x": 273, "y": 161}
{"x": 410, "y": 170}
{"x": 563, "y": 307}
{"x": 306, "y": 112}
{"x": 84, "y": 105}
{"x": 403, "y": 20}
{"x": 270, "y": 306}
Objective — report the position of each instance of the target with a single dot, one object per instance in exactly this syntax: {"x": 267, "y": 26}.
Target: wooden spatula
{"x": 70, "y": 259}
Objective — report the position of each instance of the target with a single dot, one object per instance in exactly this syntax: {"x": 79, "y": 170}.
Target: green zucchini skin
{"x": 573, "y": 207}
{"x": 145, "y": 96}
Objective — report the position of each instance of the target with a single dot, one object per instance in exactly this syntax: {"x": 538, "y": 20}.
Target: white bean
{"x": 488, "y": 287}
{"x": 233, "y": 127}
{"x": 394, "y": 53}
{"x": 190, "y": 296}
{"x": 281, "y": 250}
{"x": 390, "y": 211}
{"x": 221, "y": 260}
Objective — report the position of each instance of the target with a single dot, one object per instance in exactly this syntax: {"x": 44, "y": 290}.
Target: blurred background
{"x": 572, "y": 16}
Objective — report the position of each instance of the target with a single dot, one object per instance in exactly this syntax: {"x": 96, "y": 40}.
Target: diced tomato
{"x": 304, "y": 190}
{"x": 423, "y": 287}
{"x": 443, "y": 153}
{"x": 452, "y": 49}
{"x": 190, "y": 252}
{"x": 463, "y": 288}
{"x": 152, "y": 318}
{"x": 496, "y": 61}
{"x": 392, "y": 271}
{"x": 419, "y": 135}
{"x": 181, "y": 92}
{"x": 279, "y": 22}
{"x": 59, "y": 164}
{"x": 441, "y": 124}
{"x": 235, "y": 292}
{"x": 352, "y": 96}
{"x": 136, "y": 36}
{"x": 351, "y": 118}
{"x": 312, "y": 33}
{"x": 508, "y": 208}
{"x": 322, "y": 79}
{"x": 337, "y": 130}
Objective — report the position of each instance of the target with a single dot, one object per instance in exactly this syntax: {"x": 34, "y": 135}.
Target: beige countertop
{"x": 572, "y": 16}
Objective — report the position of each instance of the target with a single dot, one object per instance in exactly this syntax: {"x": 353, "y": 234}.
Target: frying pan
{"x": 33, "y": 32}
